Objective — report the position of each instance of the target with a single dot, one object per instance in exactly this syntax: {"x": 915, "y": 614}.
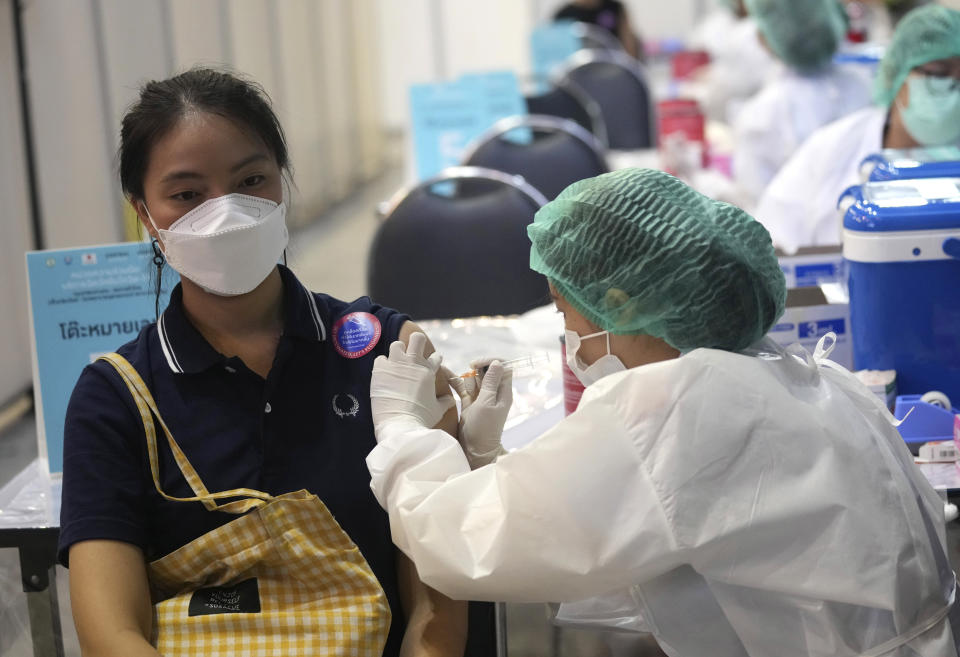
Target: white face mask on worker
{"x": 587, "y": 374}
{"x": 227, "y": 245}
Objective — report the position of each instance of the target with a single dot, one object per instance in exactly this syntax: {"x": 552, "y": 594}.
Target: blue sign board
{"x": 551, "y": 44}
{"x": 83, "y": 303}
{"x": 447, "y": 116}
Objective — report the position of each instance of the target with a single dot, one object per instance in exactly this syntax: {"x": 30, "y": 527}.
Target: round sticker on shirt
{"x": 355, "y": 335}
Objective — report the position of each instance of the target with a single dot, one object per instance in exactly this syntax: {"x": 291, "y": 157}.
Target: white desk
{"x": 30, "y": 503}
{"x": 29, "y": 522}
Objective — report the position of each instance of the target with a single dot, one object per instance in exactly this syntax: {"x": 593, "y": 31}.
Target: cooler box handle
{"x": 951, "y": 246}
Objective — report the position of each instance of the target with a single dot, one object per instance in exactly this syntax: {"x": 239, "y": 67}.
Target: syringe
{"x": 522, "y": 366}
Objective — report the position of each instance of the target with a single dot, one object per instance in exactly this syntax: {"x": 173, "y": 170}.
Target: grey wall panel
{"x": 136, "y": 50}
{"x": 15, "y": 231}
{"x": 251, "y": 31}
{"x": 198, "y": 33}
{"x": 366, "y": 81}
{"x": 302, "y": 103}
{"x": 339, "y": 102}
{"x": 74, "y": 154}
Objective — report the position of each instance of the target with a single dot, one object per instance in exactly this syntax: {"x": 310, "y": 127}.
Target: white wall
{"x": 488, "y": 35}
{"x": 15, "y": 227}
{"x": 406, "y": 56}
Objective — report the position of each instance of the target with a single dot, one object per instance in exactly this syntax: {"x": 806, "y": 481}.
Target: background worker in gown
{"x": 807, "y": 92}
{"x": 611, "y": 15}
{"x": 917, "y": 94}
{"x": 739, "y": 63}
{"x": 726, "y": 496}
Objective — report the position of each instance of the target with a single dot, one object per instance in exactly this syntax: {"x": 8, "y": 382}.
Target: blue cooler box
{"x": 901, "y": 241}
{"x": 900, "y": 164}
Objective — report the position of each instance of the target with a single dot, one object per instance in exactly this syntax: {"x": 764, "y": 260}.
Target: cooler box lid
{"x": 896, "y": 164}
{"x": 902, "y": 205}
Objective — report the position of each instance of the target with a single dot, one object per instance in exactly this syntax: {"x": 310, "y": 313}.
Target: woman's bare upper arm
{"x": 110, "y": 596}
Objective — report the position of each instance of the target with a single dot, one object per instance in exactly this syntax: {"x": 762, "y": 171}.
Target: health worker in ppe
{"x": 739, "y": 64}
{"x": 727, "y": 496}
{"x": 807, "y": 92}
{"x": 917, "y": 93}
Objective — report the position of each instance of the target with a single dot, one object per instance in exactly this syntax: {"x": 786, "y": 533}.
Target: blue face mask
{"x": 932, "y": 116}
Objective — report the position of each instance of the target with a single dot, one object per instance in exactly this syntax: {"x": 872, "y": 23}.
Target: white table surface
{"x": 32, "y": 498}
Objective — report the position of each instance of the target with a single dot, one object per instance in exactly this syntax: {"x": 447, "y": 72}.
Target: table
{"x": 537, "y": 398}
{"x": 29, "y": 522}
{"x": 29, "y": 504}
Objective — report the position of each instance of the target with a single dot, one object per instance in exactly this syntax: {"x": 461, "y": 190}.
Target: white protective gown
{"x": 739, "y": 64}
{"x": 733, "y": 505}
{"x": 799, "y": 207}
{"x": 773, "y": 124}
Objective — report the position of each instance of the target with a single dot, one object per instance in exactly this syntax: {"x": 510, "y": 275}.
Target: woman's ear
{"x": 141, "y": 209}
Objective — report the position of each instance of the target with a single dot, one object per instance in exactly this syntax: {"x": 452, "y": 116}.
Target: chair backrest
{"x": 461, "y": 254}
{"x": 560, "y": 152}
{"x": 568, "y": 101}
{"x": 595, "y": 37}
{"x": 618, "y": 84}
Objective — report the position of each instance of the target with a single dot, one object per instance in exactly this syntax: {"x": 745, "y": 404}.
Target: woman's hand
{"x": 485, "y": 410}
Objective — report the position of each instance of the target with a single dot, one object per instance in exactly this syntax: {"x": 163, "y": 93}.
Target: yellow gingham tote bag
{"x": 283, "y": 579}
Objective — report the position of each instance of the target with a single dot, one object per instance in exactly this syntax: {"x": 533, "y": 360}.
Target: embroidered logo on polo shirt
{"x": 355, "y": 335}
{"x": 242, "y": 598}
{"x": 345, "y": 405}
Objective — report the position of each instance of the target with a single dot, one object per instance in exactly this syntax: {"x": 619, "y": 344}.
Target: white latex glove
{"x": 403, "y": 387}
{"x": 468, "y": 387}
{"x": 482, "y": 418}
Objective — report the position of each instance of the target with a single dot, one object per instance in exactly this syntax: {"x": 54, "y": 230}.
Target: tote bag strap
{"x": 148, "y": 411}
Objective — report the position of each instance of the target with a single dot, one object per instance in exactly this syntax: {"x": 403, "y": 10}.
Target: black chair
{"x": 450, "y": 250}
{"x": 594, "y": 37}
{"x": 559, "y": 152}
{"x": 568, "y": 101}
{"x": 619, "y": 86}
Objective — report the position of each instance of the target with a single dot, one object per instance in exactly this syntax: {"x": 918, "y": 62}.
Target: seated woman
{"x": 611, "y": 15}
{"x": 918, "y": 105}
{"x": 262, "y": 383}
{"x": 726, "y": 495}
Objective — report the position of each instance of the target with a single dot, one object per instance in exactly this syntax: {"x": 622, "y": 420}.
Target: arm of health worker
{"x": 436, "y": 625}
{"x": 572, "y": 515}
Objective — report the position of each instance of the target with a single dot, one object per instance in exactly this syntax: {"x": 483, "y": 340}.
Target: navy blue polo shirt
{"x": 308, "y": 425}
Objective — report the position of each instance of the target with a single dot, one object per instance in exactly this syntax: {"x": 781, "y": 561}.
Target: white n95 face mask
{"x": 587, "y": 374}
{"x": 227, "y": 245}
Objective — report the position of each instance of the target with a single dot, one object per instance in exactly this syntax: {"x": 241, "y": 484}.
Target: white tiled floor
{"x": 330, "y": 255}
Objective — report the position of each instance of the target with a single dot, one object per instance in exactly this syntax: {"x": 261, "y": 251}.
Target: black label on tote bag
{"x": 242, "y": 598}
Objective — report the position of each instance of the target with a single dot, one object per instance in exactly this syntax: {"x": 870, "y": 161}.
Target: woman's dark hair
{"x": 162, "y": 104}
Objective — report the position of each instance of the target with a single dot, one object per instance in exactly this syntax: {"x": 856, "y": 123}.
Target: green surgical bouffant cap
{"x": 925, "y": 34}
{"x": 638, "y": 251}
{"x": 804, "y": 34}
